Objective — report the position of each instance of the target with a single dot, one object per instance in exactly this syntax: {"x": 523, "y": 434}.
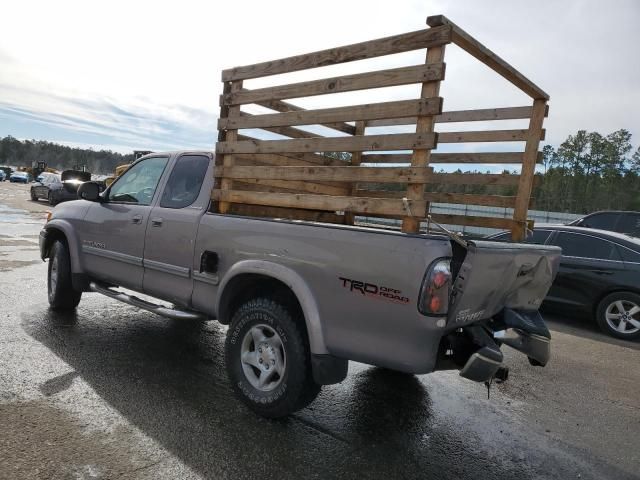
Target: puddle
{"x": 19, "y": 223}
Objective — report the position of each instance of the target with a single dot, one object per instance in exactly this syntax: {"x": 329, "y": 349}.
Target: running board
{"x": 172, "y": 313}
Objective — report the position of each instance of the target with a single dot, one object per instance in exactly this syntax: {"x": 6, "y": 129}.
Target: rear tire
{"x": 618, "y": 315}
{"x": 268, "y": 360}
{"x": 61, "y": 293}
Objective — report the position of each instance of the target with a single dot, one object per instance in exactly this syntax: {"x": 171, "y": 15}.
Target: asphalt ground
{"x": 113, "y": 392}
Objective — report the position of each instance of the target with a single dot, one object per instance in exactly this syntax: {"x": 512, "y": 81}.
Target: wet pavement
{"x": 113, "y": 392}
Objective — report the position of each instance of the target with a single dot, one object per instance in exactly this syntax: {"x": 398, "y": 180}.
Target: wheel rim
{"x": 53, "y": 276}
{"x": 263, "y": 358}
{"x": 623, "y": 316}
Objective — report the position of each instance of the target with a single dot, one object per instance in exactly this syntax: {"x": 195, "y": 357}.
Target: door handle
{"x": 156, "y": 222}
{"x": 137, "y": 219}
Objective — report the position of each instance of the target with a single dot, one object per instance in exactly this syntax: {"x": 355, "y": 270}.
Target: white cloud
{"x": 161, "y": 61}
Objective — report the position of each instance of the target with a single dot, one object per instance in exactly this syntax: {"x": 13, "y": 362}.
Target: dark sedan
{"x": 599, "y": 276}
{"x": 58, "y": 188}
{"x": 614, "y": 221}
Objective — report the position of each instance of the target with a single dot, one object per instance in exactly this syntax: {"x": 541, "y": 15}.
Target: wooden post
{"x": 424, "y": 124}
{"x": 356, "y": 158}
{"x": 229, "y": 136}
{"x": 525, "y": 185}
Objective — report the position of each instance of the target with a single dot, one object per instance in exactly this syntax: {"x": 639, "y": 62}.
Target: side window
{"x": 574, "y": 245}
{"x": 502, "y": 237}
{"x": 538, "y": 237}
{"x": 183, "y": 186}
{"x": 138, "y": 184}
{"x": 629, "y": 223}
{"x": 629, "y": 255}
{"x": 603, "y": 221}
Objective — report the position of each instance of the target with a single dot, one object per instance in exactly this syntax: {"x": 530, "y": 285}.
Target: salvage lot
{"x": 114, "y": 391}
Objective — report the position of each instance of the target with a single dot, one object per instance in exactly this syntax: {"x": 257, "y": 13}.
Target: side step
{"x": 172, "y": 313}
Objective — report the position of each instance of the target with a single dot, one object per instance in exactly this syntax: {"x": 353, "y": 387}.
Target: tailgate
{"x": 496, "y": 275}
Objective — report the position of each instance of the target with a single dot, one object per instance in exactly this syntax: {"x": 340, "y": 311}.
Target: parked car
{"x": 599, "y": 275}
{"x": 3, "y": 176}
{"x": 58, "y": 188}
{"x": 301, "y": 299}
{"x": 20, "y": 177}
{"x": 615, "y": 221}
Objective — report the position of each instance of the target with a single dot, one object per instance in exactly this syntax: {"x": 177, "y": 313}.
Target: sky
{"x": 125, "y": 75}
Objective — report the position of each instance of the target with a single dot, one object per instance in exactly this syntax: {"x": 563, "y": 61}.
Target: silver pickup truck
{"x": 301, "y": 299}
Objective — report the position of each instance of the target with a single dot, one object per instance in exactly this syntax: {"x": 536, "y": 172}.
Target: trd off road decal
{"x": 372, "y": 290}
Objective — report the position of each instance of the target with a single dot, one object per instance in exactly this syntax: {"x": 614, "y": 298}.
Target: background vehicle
{"x": 3, "y": 176}
{"x": 298, "y": 308}
{"x": 20, "y": 177}
{"x": 599, "y": 276}
{"x": 614, "y": 221}
{"x": 58, "y": 188}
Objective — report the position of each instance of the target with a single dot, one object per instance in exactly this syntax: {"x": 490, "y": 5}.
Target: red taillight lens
{"x": 436, "y": 288}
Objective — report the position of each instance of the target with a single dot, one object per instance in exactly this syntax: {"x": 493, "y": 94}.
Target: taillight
{"x": 436, "y": 287}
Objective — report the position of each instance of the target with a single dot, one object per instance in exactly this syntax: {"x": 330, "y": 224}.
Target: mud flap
{"x": 525, "y": 332}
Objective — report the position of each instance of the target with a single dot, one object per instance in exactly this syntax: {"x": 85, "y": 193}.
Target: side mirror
{"x": 89, "y": 191}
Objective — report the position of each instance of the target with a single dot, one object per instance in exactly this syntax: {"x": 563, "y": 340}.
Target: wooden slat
{"x": 345, "y": 83}
{"x": 484, "y": 136}
{"x": 291, "y": 159}
{"x": 285, "y": 213}
{"x": 486, "y": 56}
{"x": 405, "y": 141}
{"x": 358, "y": 51}
{"x": 428, "y": 106}
{"x": 280, "y": 106}
{"x": 229, "y": 136}
{"x": 331, "y": 174}
{"x": 424, "y": 125}
{"x": 356, "y": 158}
{"x": 471, "y": 199}
{"x": 474, "y": 179}
{"x": 281, "y": 130}
{"x": 323, "y": 202}
{"x": 462, "y": 157}
{"x": 284, "y": 186}
{"x": 535, "y": 134}
{"x": 472, "y": 221}
{"x": 480, "y": 115}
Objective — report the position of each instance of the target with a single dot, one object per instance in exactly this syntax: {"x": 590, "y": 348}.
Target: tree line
{"x": 22, "y": 153}
{"x": 586, "y": 173}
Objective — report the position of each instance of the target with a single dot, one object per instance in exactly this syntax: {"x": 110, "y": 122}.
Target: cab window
{"x": 185, "y": 181}
{"x": 138, "y": 184}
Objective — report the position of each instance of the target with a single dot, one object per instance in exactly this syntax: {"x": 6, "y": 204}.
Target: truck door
{"x": 172, "y": 229}
{"x": 113, "y": 231}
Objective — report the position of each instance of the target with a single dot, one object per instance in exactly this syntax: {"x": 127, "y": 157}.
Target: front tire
{"x": 52, "y": 201}
{"x": 61, "y": 293}
{"x": 618, "y": 314}
{"x": 34, "y": 197}
{"x": 268, "y": 360}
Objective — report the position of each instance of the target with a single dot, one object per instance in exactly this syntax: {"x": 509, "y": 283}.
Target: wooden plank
{"x": 479, "y": 115}
{"x": 461, "y": 157}
{"x": 358, "y": 51}
{"x": 519, "y": 135}
{"x": 229, "y": 136}
{"x": 474, "y": 179}
{"x": 473, "y": 221}
{"x": 356, "y": 158}
{"x": 331, "y": 174}
{"x": 404, "y": 141}
{"x": 284, "y": 186}
{"x": 471, "y": 199}
{"x": 280, "y": 106}
{"x": 286, "y": 131}
{"x": 345, "y": 83}
{"x": 424, "y": 125}
{"x": 486, "y": 56}
{"x": 535, "y": 134}
{"x": 427, "y": 106}
{"x": 323, "y": 202}
{"x": 291, "y": 159}
{"x": 285, "y": 213}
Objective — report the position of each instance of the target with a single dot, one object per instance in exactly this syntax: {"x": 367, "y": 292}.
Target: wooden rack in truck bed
{"x": 350, "y": 171}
